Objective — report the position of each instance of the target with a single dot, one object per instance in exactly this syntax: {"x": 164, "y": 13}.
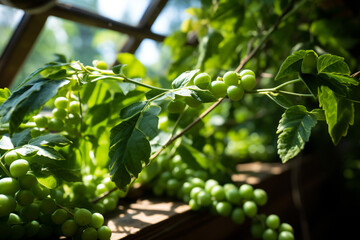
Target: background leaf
{"x": 135, "y": 69}
{"x": 328, "y": 63}
{"x": 184, "y": 79}
{"x": 291, "y": 67}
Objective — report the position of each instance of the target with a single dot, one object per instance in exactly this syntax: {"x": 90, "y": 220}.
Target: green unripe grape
{"x": 73, "y": 119}
{"x": 238, "y": 215}
{"x": 59, "y": 113}
{"x": 14, "y": 219}
{"x": 7, "y": 205}
{"x": 250, "y": 209}
{"x": 59, "y": 216}
{"x": 223, "y": 208}
{"x": 9, "y": 186}
{"x": 74, "y": 107}
{"x": 192, "y": 102}
{"x": 235, "y": 93}
{"x": 110, "y": 204}
{"x": 286, "y": 235}
{"x": 97, "y": 220}
{"x": 198, "y": 182}
{"x": 10, "y": 157}
{"x": 172, "y": 184}
{"x": 202, "y": 80}
{"x": 57, "y": 195}
{"x": 194, "y": 205}
{"x": 218, "y": 88}
{"x": 233, "y": 195}
{"x": 195, "y": 191}
{"x": 186, "y": 188}
{"x": 24, "y": 197}
{"x": 178, "y": 172}
{"x": 79, "y": 188}
{"x": 246, "y": 72}
{"x": 209, "y": 184}
{"x": 203, "y": 198}
{"x": 36, "y": 132}
{"x": 100, "y": 64}
{"x": 202, "y": 175}
{"x": 69, "y": 228}
{"x": 48, "y": 205}
{"x": 260, "y": 197}
{"x": 17, "y": 232}
{"x": 248, "y": 82}
{"x": 56, "y": 125}
{"x": 32, "y": 228}
{"x": 257, "y": 230}
{"x": 41, "y": 121}
{"x": 82, "y": 217}
{"x": 27, "y": 181}
{"x": 61, "y": 102}
{"x": 286, "y": 227}
{"x": 19, "y": 167}
{"x": 109, "y": 183}
{"x": 104, "y": 233}
{"x": 231, "y": 78}
{"x": 246, "y": 191}
{"x": 218, "y": 193}
{"x": 273, "y": 221}
{"x": 228, "y": 186}
{"x": 269, "y": 234}
{"x": 30, "y": 212}
{"x": 99, "y": 207}
{"x": 176, "y": 107}
{"x": 89, "y": 233}
{"x": 309, "y": 63}
{"x": 40, "y": 191}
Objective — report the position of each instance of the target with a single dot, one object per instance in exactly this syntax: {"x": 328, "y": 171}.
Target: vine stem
{"x": 59, "y": 206}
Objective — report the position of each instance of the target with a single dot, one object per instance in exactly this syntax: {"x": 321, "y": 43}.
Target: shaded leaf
{"x": 184, "y": 79}
{"x": 133, "y": 109}
{"x": 291, "y": 67}
{"x": 294, "y": 130}
{"x": 203, "y": 96}
{"x": 149, "y": 121}
{"x": 328, "y": 63}
{"x": 50, "y": 139}
{"x": 46, "y": 178}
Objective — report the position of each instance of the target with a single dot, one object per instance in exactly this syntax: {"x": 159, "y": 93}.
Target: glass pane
{"x": 173, "y": 15}
{"x": 73, "y": 40}
{"x": 9, "y": 19}
{"x": 126, "y": 11}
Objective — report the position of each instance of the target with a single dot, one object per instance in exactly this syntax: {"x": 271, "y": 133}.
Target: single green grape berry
{"x": 89, "y": 233}
{"x": 246, "y": 72}
{"x": 56, "y": 125}
{"x": 19, "y": 167}
{"x": 260, "y": 197}
{"x": 24, "y": 197}
{"x": 14, "y": 219}
{"x": 223, "y": 208}
{"x": 172, "y": 184}
{"x": 286, "y": 235}
{"x": 100, "y": 64}
{"x": 36, "y": 132}
{"x": 69, "y": 228}
{"x": 110, "y": 204}
{"x": 32, "y": 228}
{"x": 248, "y": 82}
{"x": 10, "y": 157}
{"x": 233, "y": 195}
{"x": 202, "y": 80}
{"x": 104, "y": 233}
{"x": 97, "y": 220}
{"x": 41, "y": 121}
{"x": 235, "y": 93}
{"x": 27, "y": 181}
{"x": 82, "y": 217}
{"x": 9, "y": 186}
{"x": 286, "y": 227}
{"x": 195, "y": 191}
{"x": 176, "y": 107}
{"x": 186, "y": 188}
{"x": 273, "y": 221}
{"x": 59, "y": 113}
{"x": 209, "y": 184}
{"x": 74, "y": 107}
{"x": 238, "y": 215}
{"x": 250, "y": 209}
{"x": 231, "y": 78}
{"x": 203, "y": 198}
{"x": 269, "y": 234}
{"x": 60, "y": 216}
{"x": 61, "y": 102}
{"x": 228, "y": 186}
{"x": 218, "y": 193}
{"x": 198, "y": 182}
{"x": 7, "y": 205}
{"x": 193, "y": 204}
{"x": 48, "y": 206}
{"x": 246, "y": 191}
{"x": 218, "y": 88}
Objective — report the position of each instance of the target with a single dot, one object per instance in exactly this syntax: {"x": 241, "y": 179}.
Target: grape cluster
{"x": 194, "y": 187}
{"x": 29, "y": 210}
{"x": 232, "y": 84}
{"x": 65, "y": 117}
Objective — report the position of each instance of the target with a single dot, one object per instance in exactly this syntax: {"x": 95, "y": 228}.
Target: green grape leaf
{"x": 43, "y": 151}
{"x": 27, "y": 100}
{"x": 121, "y": 177}
{"x": 208, "y": 46}
{"x": 328, "y": 63}
{"x": 193, "y": 157}
{"x": 294, "y": 130}
{"x": 203, "y": 96}
{"x": 21, "y": 138}
{"x": 99, "y": 113}
{"x": 6, "y": 143}
{"x": 339, "y": 113}
{"x": 129, "y": 147}
{"x": 4, "y": 94}
{"x": 291, "y": 67}
{"x": 133, "y": 109}
{"x": 70, "y": 175}
{"x": 184, "y": 79}
{"x": 135, "y": 69}
{"x": 149, "y": 121}
{"x": 46, "y": 178}
{"x": 51, "y": 140}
